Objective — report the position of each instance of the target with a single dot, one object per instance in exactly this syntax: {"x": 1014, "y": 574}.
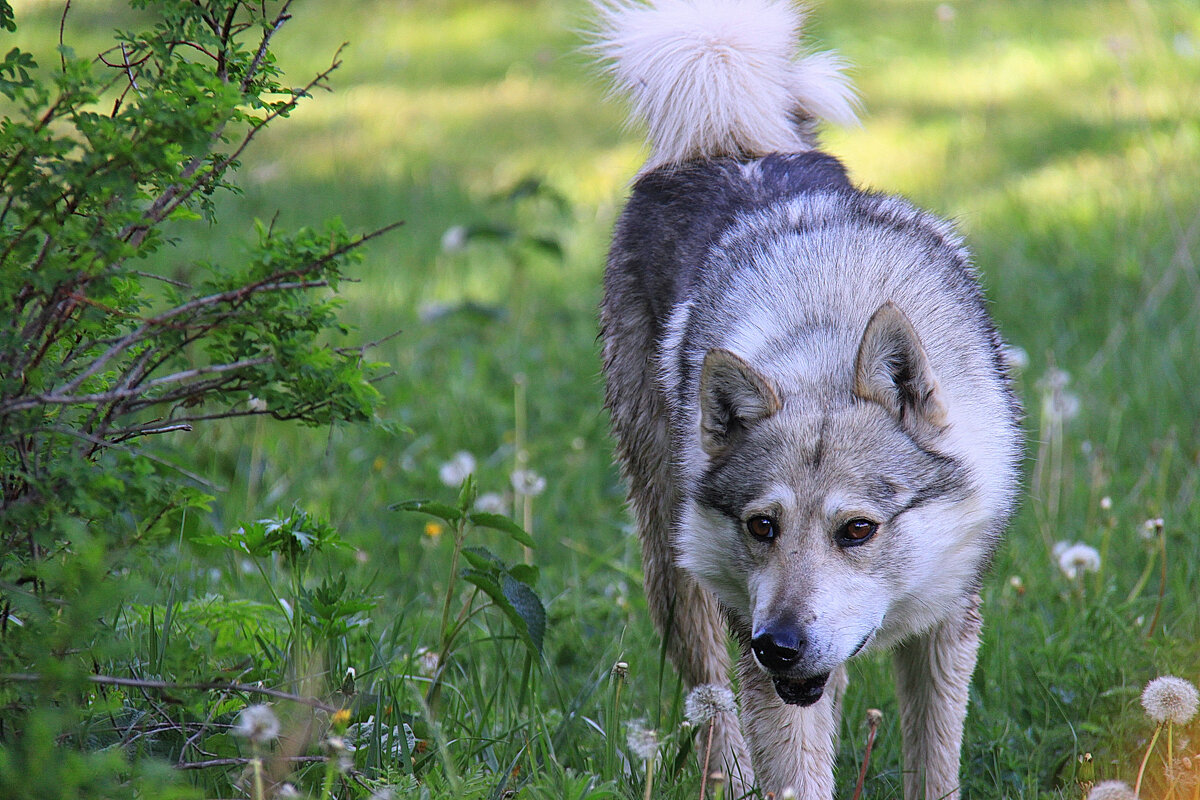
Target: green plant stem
{"x": 612, "y": 728}
{"x": 1162, "y": 583}
{"x": 330, "y": 774}
{"x": 1137, "y": 786}
{"x": 650, "y": 762}
{"x": 256, "y": 762}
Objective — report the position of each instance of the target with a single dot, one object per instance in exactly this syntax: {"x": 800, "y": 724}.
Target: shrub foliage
{"x": 107, "y": 361}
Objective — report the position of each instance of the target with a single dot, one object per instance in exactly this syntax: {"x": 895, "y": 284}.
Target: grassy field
{"x": 1065, "y": 139}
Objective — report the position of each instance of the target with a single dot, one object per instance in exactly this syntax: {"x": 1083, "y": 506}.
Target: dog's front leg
{"x": 933, "y": 673}
{"x": 791, "y": 747}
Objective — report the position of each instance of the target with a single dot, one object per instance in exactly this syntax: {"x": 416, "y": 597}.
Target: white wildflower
{"x": 1170, "y": 699}
{"x": 491, "y": 503}
{"x": 1106, "y": 503}
{"x": 454, "y": 239}
{"x": 1078, "y": 558}
{"x": 642, "y": 741}
{"x": 257, "y": 723}
{"x": 1111, "y": 790}
{"x": 1150, "y": 529}
{"x": 706, "y": 701}
{"x": 455, "y": 471}
{"x": 528, "y": 483}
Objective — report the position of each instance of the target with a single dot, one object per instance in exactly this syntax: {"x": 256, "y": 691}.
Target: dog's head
{"x": 825, "y": 522}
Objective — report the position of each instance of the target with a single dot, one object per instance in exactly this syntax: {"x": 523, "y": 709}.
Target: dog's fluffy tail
{"x": 720, "y": 77}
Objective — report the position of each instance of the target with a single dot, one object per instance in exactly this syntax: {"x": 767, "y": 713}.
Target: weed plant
{"x": 311, "y": 630}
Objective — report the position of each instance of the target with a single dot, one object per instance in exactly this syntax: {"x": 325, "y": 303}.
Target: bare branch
{"x": 169, "y": 686}
{"x": 122, "y": 393}
{"x": 235, "y": 762}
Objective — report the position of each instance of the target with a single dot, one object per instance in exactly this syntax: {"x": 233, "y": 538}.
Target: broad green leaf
{"x": 502, "y": 523}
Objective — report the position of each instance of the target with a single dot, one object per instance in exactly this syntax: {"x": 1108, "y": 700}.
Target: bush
{"x": 105, "y": 364}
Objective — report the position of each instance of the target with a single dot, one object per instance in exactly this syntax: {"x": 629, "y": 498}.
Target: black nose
{"x": 778, "y": 648}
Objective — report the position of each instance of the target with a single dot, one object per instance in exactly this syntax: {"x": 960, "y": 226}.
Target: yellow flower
{"x": 341, "y": 718}
{"x": 433, "y": 529}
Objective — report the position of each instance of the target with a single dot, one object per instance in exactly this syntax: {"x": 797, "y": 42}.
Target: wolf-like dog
{"x": 810, "y": 401}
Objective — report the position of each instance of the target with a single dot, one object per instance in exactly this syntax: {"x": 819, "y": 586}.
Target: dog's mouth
{"x": 800, "y": 691}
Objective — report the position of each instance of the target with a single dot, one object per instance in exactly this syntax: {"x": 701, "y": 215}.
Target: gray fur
{"x": 852, "y": 373}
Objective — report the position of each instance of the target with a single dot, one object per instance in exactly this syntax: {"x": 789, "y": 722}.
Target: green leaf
{"x": 483, "y": 559}
{"x": 528, "y": 606}
{"x": 446, "y": 512}
{"x": 518, "y": 602}
{"x": 525, "y": 573}
{"x": 502, "y": 523}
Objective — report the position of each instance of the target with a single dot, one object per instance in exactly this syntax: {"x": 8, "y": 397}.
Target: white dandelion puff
{"x": 1077, "y": 558}
{"x": 455, "y": 471}
{"x": 1170, "y": 699}
{"x": 706, "y": 701}
{"x": 454, "y": 239}
{"x": 258, "y": 724}
{"x": 642, "y": 741}
{"x": 1015, "y": 357}
{"x": 1150, "y": 529}
{"x": 428, "y": 662}
{"x": 491, "y": 503}
{"x": 528, "y": 483}
{"x": 1111, "y": 790}
{"x": 1106, "y": 503}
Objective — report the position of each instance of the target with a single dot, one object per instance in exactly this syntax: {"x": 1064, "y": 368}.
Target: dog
{"x": 809, "y": 400}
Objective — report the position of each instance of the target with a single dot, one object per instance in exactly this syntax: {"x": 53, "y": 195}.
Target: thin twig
{"x": 210, "y": 686}
{"x": 233, "y": 762}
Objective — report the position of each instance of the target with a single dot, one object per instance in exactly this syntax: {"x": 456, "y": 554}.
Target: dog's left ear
{"x": 892, "y": 369}
{"x": 732, "y": 395}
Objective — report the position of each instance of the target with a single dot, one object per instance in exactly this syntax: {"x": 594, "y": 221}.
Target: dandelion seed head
{"x": 428, "y": 662}
{"x": 1111, "y": 790}
{"x": 1150, "y": 529}
{"x": 454, "y": 239}
{"x": 455, "y": 471}
{"x": 1106, "y": 503}
{"x": 620, "y": 670}
{"x": 257, "y": 723}
{"x": 642, "y": 741}
{"x": 286, "y": 791}
{"x": 1170, "y": 699}
{"x": 1077, "y": 558}
{"x": 528, "y": 483}
{"x": 706, "y": 701}
{"x": 491, "y": 503}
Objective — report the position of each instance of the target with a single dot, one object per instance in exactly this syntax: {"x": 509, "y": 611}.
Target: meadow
{"x": 1064, "y": 139}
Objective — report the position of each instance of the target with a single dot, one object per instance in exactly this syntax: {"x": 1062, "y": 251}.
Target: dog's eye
{"x": 762, "y": 528}
{"x": 856, "y": 531}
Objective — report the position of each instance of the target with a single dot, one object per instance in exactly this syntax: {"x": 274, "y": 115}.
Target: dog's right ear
{"x": 732, "y": 396}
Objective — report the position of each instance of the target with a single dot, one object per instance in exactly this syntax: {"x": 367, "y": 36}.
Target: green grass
{"x": 1064, "y": 137}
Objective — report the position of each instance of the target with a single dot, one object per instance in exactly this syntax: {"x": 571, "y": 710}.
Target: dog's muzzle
{"x": 800, "y": 691}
